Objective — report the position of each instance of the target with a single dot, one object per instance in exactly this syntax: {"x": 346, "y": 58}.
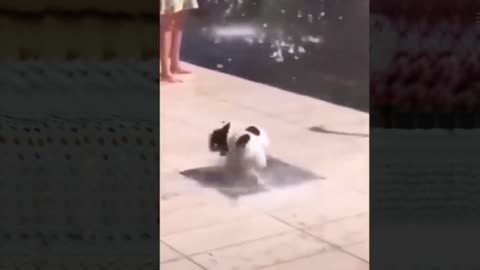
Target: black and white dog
{"x": 245, "y": 150}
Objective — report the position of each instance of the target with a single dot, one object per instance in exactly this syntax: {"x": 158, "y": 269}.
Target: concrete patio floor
{"x": 320, "y": 224}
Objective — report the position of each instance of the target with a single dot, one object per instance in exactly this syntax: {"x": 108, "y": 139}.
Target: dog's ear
{"x": 226, "y": 127}
{"x": 253, "y": 130}
{"x": 243, "y": 140}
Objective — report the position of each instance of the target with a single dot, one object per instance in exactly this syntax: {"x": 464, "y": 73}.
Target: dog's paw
{"x": 260, "y": 182}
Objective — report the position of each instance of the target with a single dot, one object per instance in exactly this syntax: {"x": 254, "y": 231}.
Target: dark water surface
{"x": 316, "y": 48}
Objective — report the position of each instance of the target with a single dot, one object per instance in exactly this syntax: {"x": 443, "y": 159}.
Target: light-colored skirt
{"x": 173, "y": 6}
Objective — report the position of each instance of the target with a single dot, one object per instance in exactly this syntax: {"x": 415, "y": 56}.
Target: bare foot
{"x": 179, "y": 70}
{"x": 169, "y": 78}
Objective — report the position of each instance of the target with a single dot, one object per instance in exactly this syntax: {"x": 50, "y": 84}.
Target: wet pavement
{"x": 315, "y": 213}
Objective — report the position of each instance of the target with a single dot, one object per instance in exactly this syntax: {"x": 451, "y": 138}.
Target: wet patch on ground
{"x": 277, "y": 174}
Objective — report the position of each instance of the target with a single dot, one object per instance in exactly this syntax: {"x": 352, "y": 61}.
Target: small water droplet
{"x": 312, "y": 39}
{"x": 219, "y": 66}
{"x": 249, "y": 40}
{"x": 277, "y": 55}
{"x": 310, "y": 18}
{"x": 340, "y": 17}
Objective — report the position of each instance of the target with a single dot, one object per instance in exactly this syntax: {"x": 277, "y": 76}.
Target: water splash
{"x": 321, "y": 15}
{"x": 272, "y": 35}
{"x": 310, "y": 18}
{"x": 312, "y": 39}
{"x": 235, "y": 31}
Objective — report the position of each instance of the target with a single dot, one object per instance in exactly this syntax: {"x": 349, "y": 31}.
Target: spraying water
{"x": 259, "y": 32}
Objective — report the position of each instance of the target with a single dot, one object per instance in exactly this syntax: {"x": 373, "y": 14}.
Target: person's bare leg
{"x": 166, "y": 29}
{"x": 177, "y": 33}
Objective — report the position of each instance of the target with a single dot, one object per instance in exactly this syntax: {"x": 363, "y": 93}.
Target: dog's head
{"x": 218, "y": 140}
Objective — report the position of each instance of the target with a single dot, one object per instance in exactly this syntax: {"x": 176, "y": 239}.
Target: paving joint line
{"x": 294, "y": 259}
{"x": 207, "y": 225}
{"x": 183, "y": 256}
{"x": 334, "y": 246}
{"x": 238, "y": 244}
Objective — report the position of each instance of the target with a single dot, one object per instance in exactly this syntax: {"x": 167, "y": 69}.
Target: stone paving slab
{"x": 334, "y": 260}
{"x": 223, "y": 235}
{"x": 318, "y": 224}
{"x": 182, "y": 264}
{"x": 168, "y": 254}
{"x": 344, "y": 232}
{"x": 361, "y": 250}
{"x": 264, "y": 252}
